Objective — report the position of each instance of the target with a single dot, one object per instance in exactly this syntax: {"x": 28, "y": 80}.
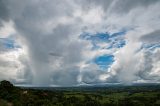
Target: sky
{"x": 79, "y": 42}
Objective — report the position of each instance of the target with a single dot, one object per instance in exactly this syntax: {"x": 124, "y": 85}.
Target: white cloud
{"x": 53, "y": 54}
{"x": 7, "y": 29}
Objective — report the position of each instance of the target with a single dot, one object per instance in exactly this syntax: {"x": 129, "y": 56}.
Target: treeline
{"x": 15, "y": 96}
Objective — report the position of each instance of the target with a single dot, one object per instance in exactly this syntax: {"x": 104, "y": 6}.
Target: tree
{"x": 6, "y": 84}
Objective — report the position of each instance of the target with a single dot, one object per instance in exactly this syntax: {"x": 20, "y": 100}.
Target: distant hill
{"x": 115, "y": 95}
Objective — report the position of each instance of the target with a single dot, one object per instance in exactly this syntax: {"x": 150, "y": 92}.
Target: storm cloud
{"x": 49, "y": 49}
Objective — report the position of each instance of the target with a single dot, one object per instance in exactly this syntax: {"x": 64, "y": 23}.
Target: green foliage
{"x": 3, "y": 103}
{"x": 131, "y": 96}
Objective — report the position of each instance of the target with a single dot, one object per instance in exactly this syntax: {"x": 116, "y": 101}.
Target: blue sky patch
{"x": 98, "y": 37}
{"x": 101, "y": 36}
{"x": 116, "y": 40}
{"x": 104, "y": 61}
{"x": 117, "y": 44}
{"x": 9, "y": 43}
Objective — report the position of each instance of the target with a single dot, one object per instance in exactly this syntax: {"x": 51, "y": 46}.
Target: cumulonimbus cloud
{"x": 51, "y": 51}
